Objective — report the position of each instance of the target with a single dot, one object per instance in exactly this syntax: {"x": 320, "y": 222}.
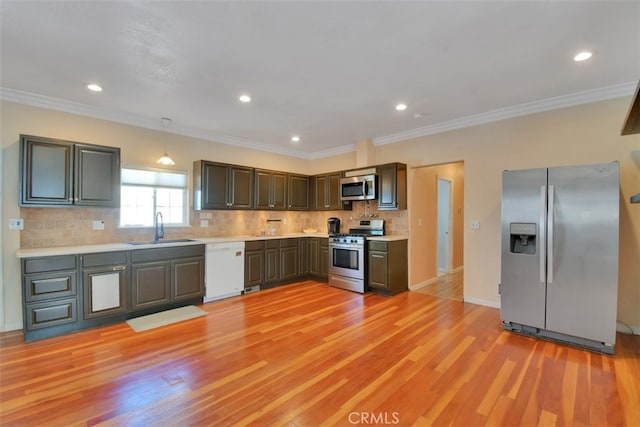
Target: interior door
{"x": 444, "y": 225}
{"x": 523, "y": 280}
{"x": 583, "y": 251}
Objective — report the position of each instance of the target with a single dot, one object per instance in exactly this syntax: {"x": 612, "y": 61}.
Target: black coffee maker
{"x": 333, "y": 226}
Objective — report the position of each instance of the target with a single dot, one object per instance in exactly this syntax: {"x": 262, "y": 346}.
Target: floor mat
{"x": 164, "y": 318}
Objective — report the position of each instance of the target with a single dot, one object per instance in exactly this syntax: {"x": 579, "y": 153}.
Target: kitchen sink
{"x": 161, "y": 242}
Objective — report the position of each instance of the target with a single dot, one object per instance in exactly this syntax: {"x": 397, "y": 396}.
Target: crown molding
{"x": 584, "y": 97}
{"x": 50, "y": 103}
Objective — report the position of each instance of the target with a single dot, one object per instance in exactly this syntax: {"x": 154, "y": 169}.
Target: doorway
{"x": 437, "y": 230}
{"x": 445, "y": 198}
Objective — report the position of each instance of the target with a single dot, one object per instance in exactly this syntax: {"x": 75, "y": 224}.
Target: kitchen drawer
{"x": 272, "y": 244}
{"x": 152, "y": 255}
{"x": 50, "y": 263}
{"x": 105, "y": 258}
{"x": 254, "y": 245}
{"x": 376, "y": 245}
{"x": 289, "y": 243}
{"x": 43, "y": 286}
{"x": 51, "y": 313}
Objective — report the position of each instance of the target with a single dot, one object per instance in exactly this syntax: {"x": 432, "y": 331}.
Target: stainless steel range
{"x": 347, "y": 255}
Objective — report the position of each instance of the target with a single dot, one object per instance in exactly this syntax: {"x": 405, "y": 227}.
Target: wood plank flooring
{"x": 448, "y": 286}
{"x": 311, "y": 355}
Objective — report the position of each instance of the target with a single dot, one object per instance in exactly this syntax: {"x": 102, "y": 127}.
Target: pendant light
{"x": 165, "y": 160}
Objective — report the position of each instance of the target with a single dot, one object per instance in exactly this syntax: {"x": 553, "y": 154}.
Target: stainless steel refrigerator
{"x": 560, "y": 254}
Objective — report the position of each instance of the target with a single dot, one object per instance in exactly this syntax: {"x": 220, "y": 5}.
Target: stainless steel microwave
{"x": 358, "y": 187}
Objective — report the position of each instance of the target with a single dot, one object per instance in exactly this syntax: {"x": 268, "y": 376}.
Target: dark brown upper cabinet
{"x": 298, "y": 197}
{"x": 270, "y": 190}
{"x": 326, "y": 192}
{"x": 392, "y": 186}
{"x": 222, "y": 186}
{"x": 63, "y": 173}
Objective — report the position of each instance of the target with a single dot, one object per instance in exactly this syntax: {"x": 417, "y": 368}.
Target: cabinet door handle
{"x": 377, "y": 256}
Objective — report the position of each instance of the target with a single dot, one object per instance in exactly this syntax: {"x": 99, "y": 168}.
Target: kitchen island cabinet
{"x": 388, "y": 268}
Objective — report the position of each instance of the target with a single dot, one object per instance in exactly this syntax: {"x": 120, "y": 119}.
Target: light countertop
{"x": 113, "y": 247}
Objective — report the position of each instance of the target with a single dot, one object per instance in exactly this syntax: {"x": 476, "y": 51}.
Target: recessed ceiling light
{"x": 295, "y": 139}
{"x": 94, "y": 87}
{"x": 401, "y": 107}
{"x": 582, "y": 56}
{"x": 244, "y": 98}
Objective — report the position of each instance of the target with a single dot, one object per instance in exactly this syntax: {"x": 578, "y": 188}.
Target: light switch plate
{"x": 204, "y": 223}
{"x": 475, "y": 224}
{"x": 98, "y": 224}
{"x": 16, "y": 224}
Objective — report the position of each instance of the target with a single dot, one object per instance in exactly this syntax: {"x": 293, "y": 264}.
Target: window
{"x": 146, "y": 192}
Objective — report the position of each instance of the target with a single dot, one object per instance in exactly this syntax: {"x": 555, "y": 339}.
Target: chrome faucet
{"x": 159, "y": 228}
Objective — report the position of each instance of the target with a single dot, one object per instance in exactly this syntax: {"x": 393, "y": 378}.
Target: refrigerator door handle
{"x": 541, "y": 232}
{"x": 550, "y": 235}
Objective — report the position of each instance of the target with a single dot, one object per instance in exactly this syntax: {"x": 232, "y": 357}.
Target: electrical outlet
{"x": 204, "y": 223}
{"x": 475, "y": 224}
{"x": 16, "y": 224}
{"x": 98, "y": 224}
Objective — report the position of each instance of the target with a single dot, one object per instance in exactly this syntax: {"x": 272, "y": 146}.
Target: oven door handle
{"x": 346, "y": 247}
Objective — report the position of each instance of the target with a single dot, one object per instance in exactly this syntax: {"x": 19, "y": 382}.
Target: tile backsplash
{"x": 49, "y": 227}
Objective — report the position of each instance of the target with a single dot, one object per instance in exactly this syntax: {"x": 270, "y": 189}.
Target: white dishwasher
{"x": 224, "y": 270}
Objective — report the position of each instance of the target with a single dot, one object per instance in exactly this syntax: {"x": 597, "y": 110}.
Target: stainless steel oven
{"x": 348, "y": 254}
{"x": 346, "y": 262}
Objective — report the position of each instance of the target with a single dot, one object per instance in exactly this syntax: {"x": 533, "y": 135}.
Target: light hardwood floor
{"x": 448, "y": 286}
{"x": 310, "y": 355}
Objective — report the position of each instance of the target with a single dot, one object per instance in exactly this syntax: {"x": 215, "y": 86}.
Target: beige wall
{"x": 423, "y": 200}
{"x": 583, "y": 134}
{"x": 588, "y": 133}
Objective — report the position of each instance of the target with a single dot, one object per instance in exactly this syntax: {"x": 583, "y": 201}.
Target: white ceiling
{"x": 330, "y": 72}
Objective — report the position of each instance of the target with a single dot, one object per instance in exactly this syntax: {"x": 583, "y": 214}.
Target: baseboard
{"x": 433, "y": 279}
{"x": 423, "y": 284}
{"x": 627, "y": 329}
{"x": 11, "y": 327}
{"x": 478, "y": 301}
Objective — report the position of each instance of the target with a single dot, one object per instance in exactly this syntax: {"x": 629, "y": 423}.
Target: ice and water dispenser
{"x": 523, "y": 238}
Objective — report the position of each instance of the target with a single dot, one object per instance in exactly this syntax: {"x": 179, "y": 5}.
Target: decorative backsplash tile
{"x": 49, "y": 227}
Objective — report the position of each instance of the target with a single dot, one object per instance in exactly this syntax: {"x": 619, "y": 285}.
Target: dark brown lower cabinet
{"x": 319, "y": 257}
{"x": 166, "y": 276}
{"x": 253, "y": 263}
{"x": 289, "y": 252}
{"x": 388, "y": 267}
{"x": 272, "y": 262}
{"x": 105, "y": 284}
{"x": 50, "y": 296}
{"x": 65, "y": 293}
{"x": 150, "y": 284}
